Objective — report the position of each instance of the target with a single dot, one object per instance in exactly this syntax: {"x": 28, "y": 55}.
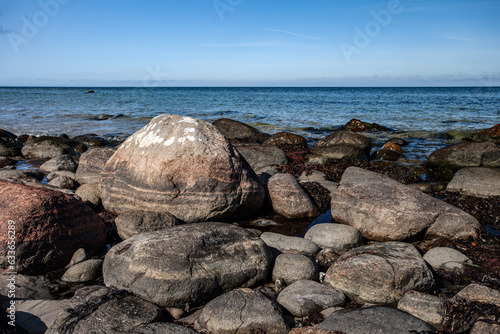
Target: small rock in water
{"x": 264, "y": 223}
{"x": 59, "y": 163}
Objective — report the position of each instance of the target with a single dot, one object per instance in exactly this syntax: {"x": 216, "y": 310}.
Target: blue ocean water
{"x": 424, "y": 116}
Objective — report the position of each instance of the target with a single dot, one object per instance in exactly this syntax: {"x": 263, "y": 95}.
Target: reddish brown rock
{"x": 492, "y": 134}
{"x": 357, "y": 126}
{"x": 287, "y": 139}
{"x": 49, "y": 227}
{"x": 392, "y": 146}
{"x": 238, "y": 132}
{"x": 183, "y": 166}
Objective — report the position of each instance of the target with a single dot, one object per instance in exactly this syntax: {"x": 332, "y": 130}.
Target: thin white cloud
{"x": 295, "y": 34}
{"x": 256, "y": 44}
{"x": 458, "y": 38}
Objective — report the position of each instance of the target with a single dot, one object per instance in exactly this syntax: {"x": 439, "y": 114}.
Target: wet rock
{"x": 492, "y": 134}
{"x": 96, "y": 309}
{"x": 293, "y": 267}
{"x": 92, "y": 163}
{"x": 357, "y": 126}
{"x": 89, "y": 193}
{"x": 259, "y": 156}
{"x": 380, "y": 273}
{"x": 289, "y": 199}
{"x": 383, "y": 209}
{"x": 238, "y": 132}
{"x": 386, "y": 154}
{"x": 445, "y": 162}
{"x": 83, "y": 272}
{"x": 305, "y": 296}
{"x": 183, "y": 166}
{"x": 20, "y": 175}
{"x": 64, "y": 182}
{"x": 391, "y": 145}
{"x": 399, "y": 141}
{"x": 62, "y": 162}
{"x": 46, "y": 147}
{"x": 287, "y": 244}
{"x": 335, "y": 236}
{"x": 242, "y": 311}
{"x": 478, "y": 293}
{"x": 60, "y": 173}
{"x": 431, "y": 309}
{"x": 343, "y": 137}
{"x": 9, "y": 145}
{"x": 79, "y": 256}
{"x": 131, "y": 223}
{"x": 187, "y": 264}
{"x": 476, "y": 181}
{"x": 447, "y": 259}
{"x": 287, "y": 139}
{"x": 91, "y": 140}
{"x": 338, "y": 152}
{"x": 377, "y": 319}
{"x": 50, "y": 226}
{"x": 264, "y": 223}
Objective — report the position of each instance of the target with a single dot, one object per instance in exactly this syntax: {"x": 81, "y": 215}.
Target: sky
{"x": 336, "y": 43}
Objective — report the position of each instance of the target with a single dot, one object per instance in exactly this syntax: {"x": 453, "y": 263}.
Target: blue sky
{"x": 249, "y": 43}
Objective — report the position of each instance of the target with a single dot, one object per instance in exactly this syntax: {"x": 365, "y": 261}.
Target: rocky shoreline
{"x": 189, "y": 227}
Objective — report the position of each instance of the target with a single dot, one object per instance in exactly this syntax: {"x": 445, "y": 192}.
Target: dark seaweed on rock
{"x": 319, "y": 194}
{"x": 462, "y": 315}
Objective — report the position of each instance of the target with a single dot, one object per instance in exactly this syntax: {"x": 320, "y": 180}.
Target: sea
{"x": 428, "y": 118}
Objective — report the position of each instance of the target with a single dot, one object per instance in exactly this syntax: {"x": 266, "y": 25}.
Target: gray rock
{"x": 380, "y": 273}
{"x": 238, "y": 132}
{"x": 242, "y": 311}
{"x": 162, "y": 328}
{"x": 447, "y": 259}
{"x": 4, "y": 162}
{"x": 289, "y": 199}
{"x": 92, "y": 163}
{"x": 444, "y": 162}
{"x": 9, "y": 145}
{"x": 374, "y": 320}
{"x": 335, "y": 236}
{"x": 90, "y": 193}
{"x": 386, "y": 154}
{"x": 36, "y": 316}
{"x": 477, "y": 181}
{"x": 478, "y": 293}
{"x": 20, "y": 175}
{"x": 62, "y": 162}
{"x": 431, "y": 309}
{"x": 183, "y": 166}
{"x": 383, "y": 209}
{"x": 79, "y": 256}
{"x": 83, "y": 272}
{"x": 304, "y": 296}
{"x": 259, "y": 156}
{"x": 339, "y": 152}
{"x": 91, "y": 140}
{"x": 47, "y": 148}
{"x": 131, "y": 223}
{"x": 64, "y": 182}
{"x": 27, "y": 287}
{"x": 60, "y": 173}
{"x": 187, "y": 264}
{"x": 98, "y": 310}
{"x": 293, "y": 267}
{"x": 288, "y": 244}
{"x": 287, "y": 139}
{"x": 345, "y": 137}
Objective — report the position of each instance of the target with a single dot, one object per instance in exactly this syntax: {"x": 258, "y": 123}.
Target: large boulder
{"x": 238, "y": 132}
{"x": 345, "y": 137}
{"x": 380, "y": 273}
{"x": 374, "y": 320}
{"x": 383, "y": 209}
{"x": 259, "y": 156}
{"x": 96, "y": 309}
{"x": 289, "y": 199}
{"x": 242, "y": 311}
{"x": 476, "y": 181}
{"x": 131, "y": 223}
{"x": 187, "y": 264}
{"x": 445, "y": 162}
{"x": 92, "y": 163}
{"x": 49, "y": 227}
{"x": 183, "y": 166}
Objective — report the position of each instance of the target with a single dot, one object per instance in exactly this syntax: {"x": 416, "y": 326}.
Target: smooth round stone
{"x": 335, "y": 236}
{"x": 294, "y": 267}
{"x": 445, "y": 258}
{"x": 84, "y": 271}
